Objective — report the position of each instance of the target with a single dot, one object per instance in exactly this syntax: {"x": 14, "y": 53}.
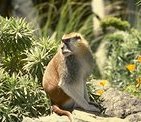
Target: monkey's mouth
{"x": 66, "y": 51}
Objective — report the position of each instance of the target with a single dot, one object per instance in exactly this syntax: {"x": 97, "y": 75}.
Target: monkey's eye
{"x": 66, "y": 40}
{"x": 77, "y": 37}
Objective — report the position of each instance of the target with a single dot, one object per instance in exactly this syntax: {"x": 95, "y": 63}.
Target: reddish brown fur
{"x": 50, "y": 85}
{"x": 50, "y": 82}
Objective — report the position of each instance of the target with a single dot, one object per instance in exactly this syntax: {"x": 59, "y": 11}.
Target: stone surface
{"x": 134, "y": 117}
{"x": 120, "y": 104}
{"x": 78, "y": 116}
{"x": 119, "y": 107}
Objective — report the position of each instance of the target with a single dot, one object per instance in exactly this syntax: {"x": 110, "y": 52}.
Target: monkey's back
{"x": 50, "y": 82}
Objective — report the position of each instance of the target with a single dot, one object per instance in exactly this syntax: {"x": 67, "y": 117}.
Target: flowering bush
{"x": 124, "y": 60}
{"x": 101, "y": 87}
{"x": 97, "y": 87}
{"x": 134, "y": 70}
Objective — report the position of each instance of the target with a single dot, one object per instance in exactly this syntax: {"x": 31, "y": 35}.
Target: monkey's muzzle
{"x": 66, "y": 51}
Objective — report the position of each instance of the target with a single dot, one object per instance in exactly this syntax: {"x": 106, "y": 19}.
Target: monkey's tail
{"x": 61, "y": 112}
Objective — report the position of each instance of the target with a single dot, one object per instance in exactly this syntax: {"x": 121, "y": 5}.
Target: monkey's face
{"x": 69, "y": 45}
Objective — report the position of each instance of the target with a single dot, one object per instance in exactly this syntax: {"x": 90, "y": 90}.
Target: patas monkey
{"x": 65, "y": 76}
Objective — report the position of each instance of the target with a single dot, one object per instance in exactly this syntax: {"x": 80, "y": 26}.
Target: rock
{"x": 52, "y": 118}
{"x": 122, "y": 105}
{"x": 134, "y": 117}
{"x": 79, "y": 116}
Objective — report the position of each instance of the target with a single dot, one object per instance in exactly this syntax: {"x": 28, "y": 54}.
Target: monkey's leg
{"x": 62, "y": 112}
{"x": 78, "y": 96}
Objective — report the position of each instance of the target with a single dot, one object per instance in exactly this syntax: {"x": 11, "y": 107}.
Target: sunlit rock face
{"x": 122, "y": 105}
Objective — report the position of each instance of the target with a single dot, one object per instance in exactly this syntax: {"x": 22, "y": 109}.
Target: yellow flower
{"x": 139, "y": 58}
{"x": 103, "y": 83}
{"x": 138, "y": 81}
{"x": 99, "y": 92}
{"x": 131, "y": 67}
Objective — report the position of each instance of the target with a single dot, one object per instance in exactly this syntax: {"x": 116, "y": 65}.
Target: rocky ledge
{"x": 119, "y": 107}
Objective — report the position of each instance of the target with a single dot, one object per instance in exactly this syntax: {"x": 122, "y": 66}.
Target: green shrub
{"x": 21, "y": 96}
{"x": 21, "y": 50}
{"x": 114, "y": 22}
{"x": 39, "y": 56}
{"x": 16, "y": 36}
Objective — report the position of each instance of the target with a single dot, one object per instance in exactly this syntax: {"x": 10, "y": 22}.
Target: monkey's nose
{"x": 62, "y": 47}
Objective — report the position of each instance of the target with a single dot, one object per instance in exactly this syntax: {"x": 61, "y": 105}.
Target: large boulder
{"x": 122, "y": 105}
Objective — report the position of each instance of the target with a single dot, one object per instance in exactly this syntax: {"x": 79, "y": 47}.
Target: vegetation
{"x": 114, "y": 22}
{"x": 21, "y": 96}
{"x": 22, "y": 63}
{"x": 39, "y": 55}
{"x": 123, "y": 58}
{"x": 15, "y": 37}
{"x": 66, "y": 16}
